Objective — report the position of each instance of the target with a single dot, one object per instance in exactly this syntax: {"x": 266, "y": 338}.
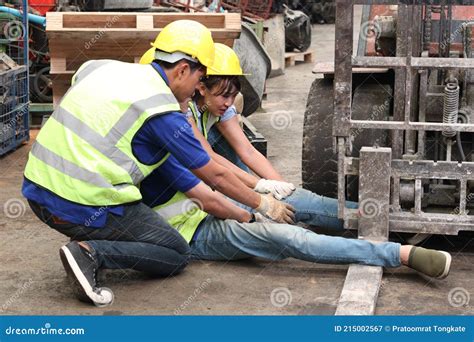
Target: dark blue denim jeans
{"x": 139, "y": 240}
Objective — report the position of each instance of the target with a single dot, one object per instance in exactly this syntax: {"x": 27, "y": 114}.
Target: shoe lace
{"x": 94, "y": 270}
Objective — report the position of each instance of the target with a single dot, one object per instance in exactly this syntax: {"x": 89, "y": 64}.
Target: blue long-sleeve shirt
{"x": 161, "y": 134}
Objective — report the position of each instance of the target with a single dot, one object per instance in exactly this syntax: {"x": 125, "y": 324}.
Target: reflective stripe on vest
{"x": 205, "y": 124}
{"x": 84, "y": 153}
{"x": 183, "y": 214}
{"x": 87, "y": 68}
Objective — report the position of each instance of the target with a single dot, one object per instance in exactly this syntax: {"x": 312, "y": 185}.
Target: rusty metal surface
{"x": 343, "y": 71}
{"x": 411, "y": 114}
{"x": 418, "y": 221}
{"x": 374, "y": 192}
{"x": 414, "y": 62}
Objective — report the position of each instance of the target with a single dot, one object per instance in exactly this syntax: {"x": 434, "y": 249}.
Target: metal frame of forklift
{"x": 381, "y": 169}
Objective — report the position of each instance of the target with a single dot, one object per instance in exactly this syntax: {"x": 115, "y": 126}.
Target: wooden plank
{"x": 58, "y": 65}
{"x": 145, "y": 22}
{"x": 292, "y": 57}
{"x": 54, "y": 20}
{"x": 75, "y": 38}
{"x": 77, "y": 20}
{"x": 360, "y": 292}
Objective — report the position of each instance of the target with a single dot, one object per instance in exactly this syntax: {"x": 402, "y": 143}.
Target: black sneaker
{"x": 81, "y": 268}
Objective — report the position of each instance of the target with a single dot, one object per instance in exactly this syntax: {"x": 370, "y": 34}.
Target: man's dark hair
{"x": 193, "y": 66}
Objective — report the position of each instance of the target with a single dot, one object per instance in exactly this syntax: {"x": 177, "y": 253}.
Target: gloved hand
{"x": 277, "y": 211}
{"x": 262, "y": 219}
{"x": 278, "y": 189}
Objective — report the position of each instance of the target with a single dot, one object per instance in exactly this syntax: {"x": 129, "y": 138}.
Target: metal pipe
{"x": 36, "y": 19}
{"x": 449, "y": 148}
{"x": 459, "y": 143}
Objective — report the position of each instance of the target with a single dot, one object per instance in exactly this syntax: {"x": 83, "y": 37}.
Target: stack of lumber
{"x": 75, "y": 38}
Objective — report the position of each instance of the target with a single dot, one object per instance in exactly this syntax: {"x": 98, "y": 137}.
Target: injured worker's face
{"x": 219, "y": 97}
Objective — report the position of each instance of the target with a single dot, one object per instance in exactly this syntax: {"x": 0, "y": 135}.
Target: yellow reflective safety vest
{"x": 183, "y": 214}
{"x": 180, "y": 211}
{"x": 204, "y": 122}
{"x": 84, "y": 153}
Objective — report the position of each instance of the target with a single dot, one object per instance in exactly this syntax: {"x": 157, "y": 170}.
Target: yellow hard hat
{"x": 188, "y": 37}
{"x": 226, "y": 62}
{"x": 148, "y": 56}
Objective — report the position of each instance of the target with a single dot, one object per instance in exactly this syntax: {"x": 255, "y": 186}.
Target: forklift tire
{"x": 371, "y": 101}
{"x": 319, "y": 164}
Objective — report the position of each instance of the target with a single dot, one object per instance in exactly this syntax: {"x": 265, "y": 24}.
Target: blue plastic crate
{"x": 14, "y": 125}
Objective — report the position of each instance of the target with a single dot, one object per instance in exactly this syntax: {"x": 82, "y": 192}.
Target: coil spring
{"x": 450, "y": 107}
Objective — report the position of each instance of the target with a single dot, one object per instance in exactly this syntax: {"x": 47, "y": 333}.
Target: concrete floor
{"x": 32, "y": 280}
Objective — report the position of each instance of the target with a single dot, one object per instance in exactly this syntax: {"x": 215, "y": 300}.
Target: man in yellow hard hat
{"x": 117, "y": 123}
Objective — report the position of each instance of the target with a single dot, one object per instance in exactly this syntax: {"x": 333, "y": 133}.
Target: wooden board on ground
{"x": 292, "y": 57}
{"x": 75, "y": 38}
{"x": 360, "y": 292}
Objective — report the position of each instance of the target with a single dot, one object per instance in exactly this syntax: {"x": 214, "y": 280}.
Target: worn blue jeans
{"x": 139, "y": 240}
{"x": 219, "y": 239}
{"x": 222, "y": 147}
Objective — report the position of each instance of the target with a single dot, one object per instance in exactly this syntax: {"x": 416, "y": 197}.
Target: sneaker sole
{"x": 447, "y": 266}
{"x": 85, "y": 292}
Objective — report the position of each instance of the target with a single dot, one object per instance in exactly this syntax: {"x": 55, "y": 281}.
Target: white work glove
{"x": 279, "y": 190}
{"x": 279, "y": 212}
{"x": 262, "y": 219}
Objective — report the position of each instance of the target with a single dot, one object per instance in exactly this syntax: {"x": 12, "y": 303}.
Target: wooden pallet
{"x": 75, "y": 38}
{"x": 292, "y": 57}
